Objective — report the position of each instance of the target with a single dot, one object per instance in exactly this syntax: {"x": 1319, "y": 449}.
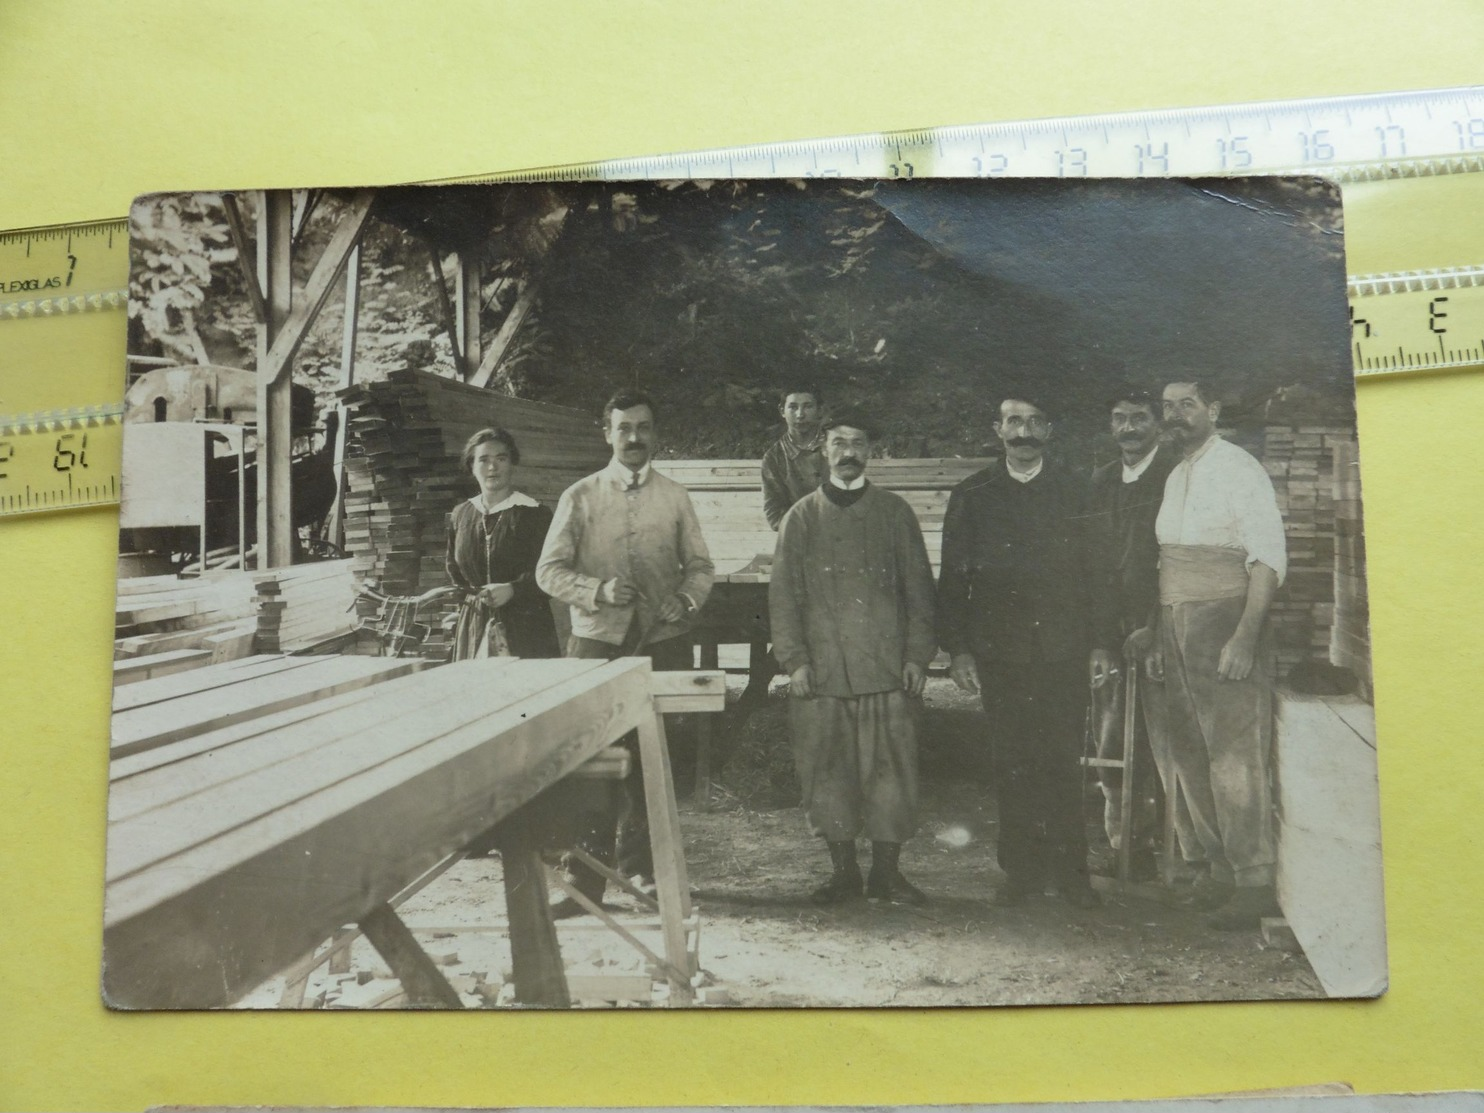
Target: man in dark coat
{"x": 1126, "y": 494}
{"x": 851, "y": 602}
{"x": 795, "y": 465}
{"x": 1013, "y": 612}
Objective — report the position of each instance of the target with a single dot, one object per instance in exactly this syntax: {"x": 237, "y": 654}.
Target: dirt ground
{"x": 763, "y": 944}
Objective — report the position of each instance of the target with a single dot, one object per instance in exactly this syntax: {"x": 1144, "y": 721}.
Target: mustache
{"x": 850, "y": 460}
{"x": 1025, "y": 442}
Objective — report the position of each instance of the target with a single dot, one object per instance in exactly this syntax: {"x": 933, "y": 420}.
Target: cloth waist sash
{"x": 1200, "y": 573}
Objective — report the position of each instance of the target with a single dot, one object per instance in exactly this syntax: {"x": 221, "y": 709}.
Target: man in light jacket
{"x": 625, "y": 553}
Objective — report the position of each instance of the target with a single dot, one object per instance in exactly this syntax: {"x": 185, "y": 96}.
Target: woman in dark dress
{"x": 494, "y": 541}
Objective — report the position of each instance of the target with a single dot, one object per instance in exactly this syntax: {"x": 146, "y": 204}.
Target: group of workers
{"x": 1052, "y": 584}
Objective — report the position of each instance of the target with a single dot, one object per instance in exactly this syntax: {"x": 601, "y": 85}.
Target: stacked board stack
{"x": 1350, "y": 638}
{"x": 728, "y": 497}
{"x": 303, "y": 606}
{"x": 1300, "y": 460}
{"x": 404, "y": 475}
{"x": 211, "y": 614}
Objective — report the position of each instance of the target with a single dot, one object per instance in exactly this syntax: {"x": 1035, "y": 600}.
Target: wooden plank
{"x": 203, "y": 680}
{"x": 235, "y": 786}
{"x": 156, "y": 725}
{"x": 611, "y": 987}
{"x": 154, "y": 665}
{"x": 536, "y": 957}
{"x": 423, "y": 982}
{"x": 202, "y": 927}
{"x": 166, "y": 774}
{"x": 676, "y": 692}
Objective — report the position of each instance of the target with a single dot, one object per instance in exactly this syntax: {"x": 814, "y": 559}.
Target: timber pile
{"x": 1300, "y": 460}
{"x": 728, "y": 497}
{"x": 302, "y": 606}
{"x": 165, "y": 614}
{"x": 1350, "y": 636}
{"x": 405, "y": 436}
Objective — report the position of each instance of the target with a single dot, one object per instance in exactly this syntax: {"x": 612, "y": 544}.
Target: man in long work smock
{"x": 1222, "y": 556}
{"x": 1013, "y": 612}
{"x": 625, "y": 552}
{"x": 851, "y": 603}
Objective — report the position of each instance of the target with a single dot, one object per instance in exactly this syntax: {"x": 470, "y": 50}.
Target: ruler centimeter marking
{"x": 1402, "y": 322}
{"x": 1355, "y": 138}
{"x": 60, "y": 459}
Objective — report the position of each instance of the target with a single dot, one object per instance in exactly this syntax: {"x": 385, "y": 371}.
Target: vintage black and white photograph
{"x": 786, "y": 593}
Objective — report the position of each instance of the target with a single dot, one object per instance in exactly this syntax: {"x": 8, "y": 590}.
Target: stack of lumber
{"x": 303, "y": 606}
{"x": 1300, "y": 461}
{"x": 1350, "y": 636}
{"x": 164, "y": 614}
{"x": 728, "y": 497}
{"x": 405, "y": 437}
{"x": 257, "y": 807}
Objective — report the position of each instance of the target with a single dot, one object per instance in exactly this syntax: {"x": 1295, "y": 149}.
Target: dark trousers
{"x": 1036, "y": 715}
{"x": 617, "y": 833}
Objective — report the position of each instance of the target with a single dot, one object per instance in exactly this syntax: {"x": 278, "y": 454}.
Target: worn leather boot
{"x": 886, "y": 882}
{"x": 845, "y": 879}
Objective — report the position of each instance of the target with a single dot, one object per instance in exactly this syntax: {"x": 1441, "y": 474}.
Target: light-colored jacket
{"x": 649, "y": 535}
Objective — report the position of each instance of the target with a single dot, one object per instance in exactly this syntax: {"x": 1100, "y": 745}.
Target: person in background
{"x": 494, "y": 541}
{"x": 625, "y": 553}
{"x": 1222, "y": 556}
{"x": 1126, "y": 494}
{"x": 851, "y": 605}
{"x": 1013, "y": 607}
{"x": 795, "y": 465}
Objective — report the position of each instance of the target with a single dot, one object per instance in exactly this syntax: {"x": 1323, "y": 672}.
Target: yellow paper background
{"x": 102, "y": 102}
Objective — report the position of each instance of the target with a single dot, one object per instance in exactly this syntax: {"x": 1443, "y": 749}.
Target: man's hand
{"x": 1100, "y": 667}
{"x": 672, "y": 609}
{"x": 616, "y": 592}
{"x": 914, "y": 678}
{"x": 496, "y": 595}
{"x": 801, "y": 682}
{"x": 1138, "y": 644}
{"x": 964, "y": 672}
{"x": 1237, "y": 657}
{"x": 1154, "y": 665}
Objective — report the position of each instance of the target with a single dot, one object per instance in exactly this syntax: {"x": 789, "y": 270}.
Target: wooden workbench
{"x": 257, "y": 807}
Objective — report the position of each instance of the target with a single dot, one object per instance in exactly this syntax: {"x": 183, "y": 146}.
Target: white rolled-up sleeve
{"x": 1258, "y": 521}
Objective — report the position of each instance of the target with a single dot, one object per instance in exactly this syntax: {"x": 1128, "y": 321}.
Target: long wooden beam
{"x": 317, "y": 291}
{"x": 500, "y": 343}
{"x": 227, "y": 908}
{"x": 275, "y": 415}
{"x": 238, "y": 228}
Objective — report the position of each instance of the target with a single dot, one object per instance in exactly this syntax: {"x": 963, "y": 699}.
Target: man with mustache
{"x": 1013, "y": 607}
{"x": 1222, "y": 556}
{"x": 795, "y": 465}
{"x": 625, "y": 553}
{"x": 1126, "y": 494}
{"x": 851, "y": 604}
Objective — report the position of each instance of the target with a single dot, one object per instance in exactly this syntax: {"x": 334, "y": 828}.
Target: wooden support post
{"x": 466, "y": 288}
{"x": 351, "y": 324}
{"x": 445, "y": 311}
{"x": 339, "y": 957}
{"x": 425, "y": 984}
{"x": 275, "y": 426}
{"x": 1126, "y": 784}
{"x": 535, "y": 956}
{"x": 672, "y": 884}
{"x": 500, "y": 343}
{"x": 238, "y": 228}
{"x": 702, "y": 797}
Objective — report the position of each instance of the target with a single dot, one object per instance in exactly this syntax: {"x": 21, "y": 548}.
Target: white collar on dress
{"x": 516, "y": 498}
{"x": 1131, "y": 474}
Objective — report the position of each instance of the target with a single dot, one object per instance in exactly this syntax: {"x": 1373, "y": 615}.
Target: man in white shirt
{"x": 1222, "y": 557}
